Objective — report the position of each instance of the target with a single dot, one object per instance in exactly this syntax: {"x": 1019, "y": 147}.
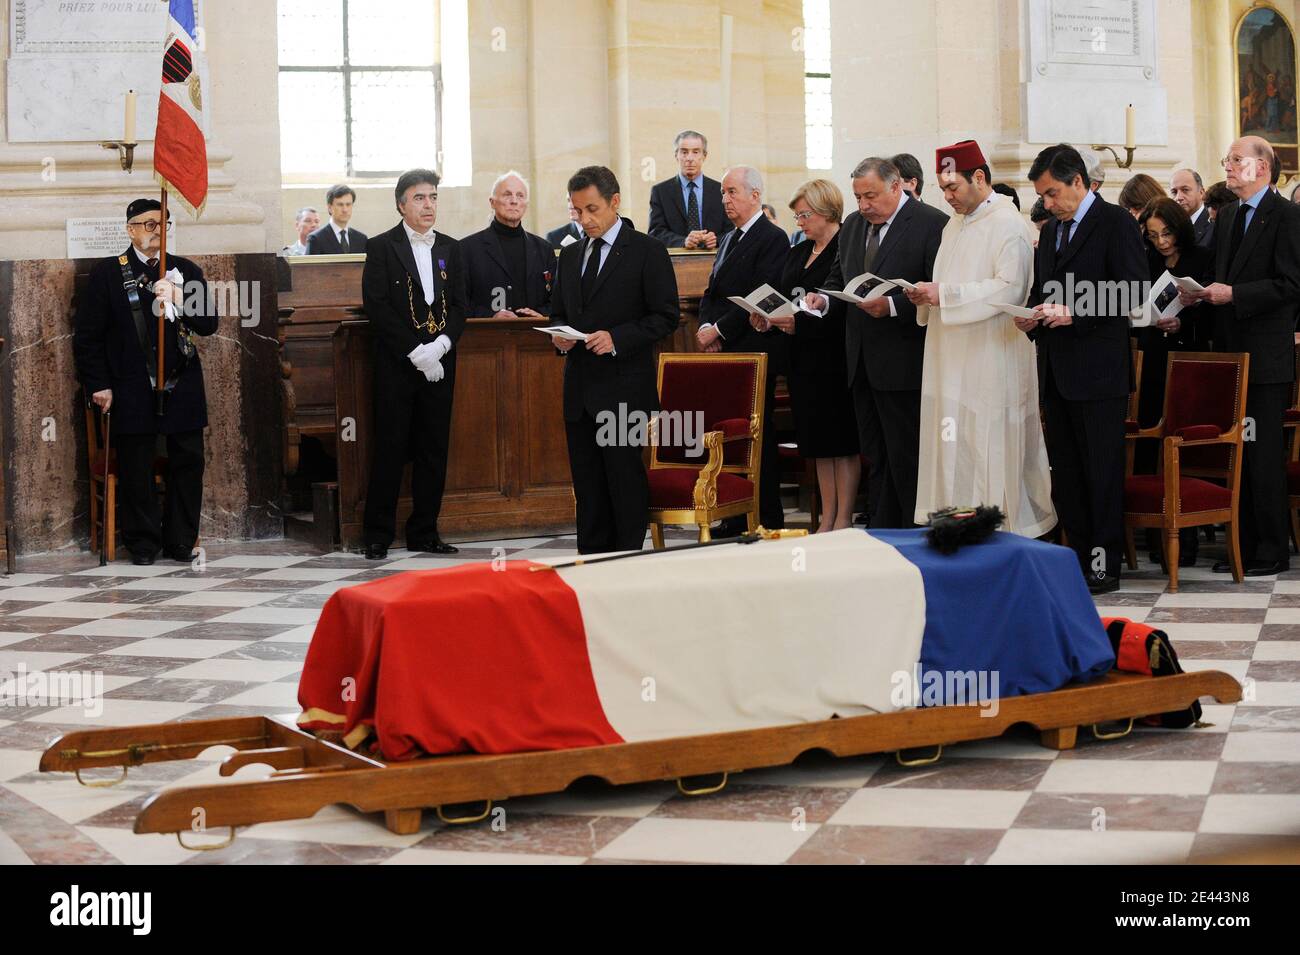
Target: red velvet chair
{"x": 726, "y": 392}
{"x": 1205, "y": 402}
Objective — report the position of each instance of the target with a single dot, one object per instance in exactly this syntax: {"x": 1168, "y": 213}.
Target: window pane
{"x": 311, "y": 32}
{"x": 311, "y": 123}
{"x": 393, "y": 121}
{"x": 817, "y": 36}
{"x": 391, "y": 33}
{"x": 817, "y": 116}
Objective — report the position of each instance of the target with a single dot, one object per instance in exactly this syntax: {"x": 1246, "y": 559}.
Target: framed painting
{"x": 1266, "y": 81}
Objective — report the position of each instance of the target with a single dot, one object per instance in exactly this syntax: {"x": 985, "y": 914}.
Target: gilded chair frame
{"x": 706, "y": 509}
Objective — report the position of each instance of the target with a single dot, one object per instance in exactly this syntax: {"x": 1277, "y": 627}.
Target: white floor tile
{"x": 14, "y": 636}
{"x": 1135, "y": 776}
{"x": 337, "y": 825}
{"x": 178, "y": 647}
{"x": 120, "y": 568}
{"x": 11, "y": 853}
{"x": 18, "y": 762}
{"x": 701, "y": 840}
{"x": 1136, "y": 614}
{"x": 178, "y": 584}
{"x": 1085, "y": 847}
{"x": 1262, "y": 814}
{"x": 330, "y": 587}
{"x": 301, "y": 634}
{"x": 449, "y": 857}
{"x": 1236, "y": 600}
{"x": 115, "y": 627}
{"x": 306, "y": 574}
{"x": 259, "y": 562}
{"x": 119, "y": 713}
{"x": 150, "y": 849}
{"x": 427, "y": 563}
{"x": 82, "y": 610}
{"x": 63, "y": 796}
{"x": 1267, "y": 693}
{"x": 1281, "y": 747}
{"x": 45, "y": 594}
{"x": 34, "y": 660}
{"x": 286, "y": 615}
{"x": 932, "y": 808}
{"x": 1282, "y": 615}
{"x": 222, "y": 598}
{"x": 21, "y": 580}
{"x": 1277, "y": 650}
{"x": 1234, "y": 668}
{"x": 841, "y": 774}
{"x": 1211, "y": 631}
{"x": 247, "y": 671}
{"x": 268, "y": 694}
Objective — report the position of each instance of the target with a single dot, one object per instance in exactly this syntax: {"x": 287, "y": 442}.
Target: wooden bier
{"x": 508, "y": 470}
{"x": 310, "y": 773}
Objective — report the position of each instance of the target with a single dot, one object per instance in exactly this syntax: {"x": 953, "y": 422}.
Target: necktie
{"x": 1063, "y": 236}
{"x": 592, "y": 270}
{"x": 873, "y": 246}
{"x": 153, "y": 266}
{"x": 692, "y": 209}
{"x": 1238, "y": 231}
{"x": 343, "y": 240}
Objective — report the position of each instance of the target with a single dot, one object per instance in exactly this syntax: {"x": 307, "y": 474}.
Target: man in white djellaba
{"x": 981, "y": 440}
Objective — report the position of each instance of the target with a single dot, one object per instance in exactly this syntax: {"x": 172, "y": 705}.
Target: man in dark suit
{"x": 115, "y": 344}
{"x": 509, "y": 270}
{"x": 753, "y": 253}
{"x": 413, "y": 289}
{"x": 618, "y": 287}
{"x": 336, "y": 237}
{"x": 1188, "y": 191}
{"x": 1083, "y": 354}
{"x": 1256, "y": 293}
{"x": 894, "y": 237}
{"x": 572, "y": 230}
{"x": 686, "y": 210}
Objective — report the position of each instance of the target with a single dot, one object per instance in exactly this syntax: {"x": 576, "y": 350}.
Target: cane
{"x": 103, "y": 514}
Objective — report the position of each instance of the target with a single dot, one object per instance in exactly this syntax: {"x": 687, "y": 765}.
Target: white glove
{"x": 441, "y": 345}
{"x": 178, "y": 282}
{"x": 419, "y": 355}
{"x": 435, "y": 372}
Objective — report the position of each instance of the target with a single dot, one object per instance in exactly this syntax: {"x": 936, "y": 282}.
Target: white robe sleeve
{"x": 964, "y": 303}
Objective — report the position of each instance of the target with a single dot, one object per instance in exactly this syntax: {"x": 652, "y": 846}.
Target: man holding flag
{"x": 133, "y": 339}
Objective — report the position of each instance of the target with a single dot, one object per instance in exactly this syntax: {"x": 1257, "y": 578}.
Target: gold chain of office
{"x": 429, "y": 324}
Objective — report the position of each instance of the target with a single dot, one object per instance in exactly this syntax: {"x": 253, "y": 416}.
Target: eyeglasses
{"x": 800, "y": 216}
{"x": 1157, "y": 236}
{"x": 151, "y": 225}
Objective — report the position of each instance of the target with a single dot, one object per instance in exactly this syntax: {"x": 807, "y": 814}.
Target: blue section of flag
{"x": 1013, "y": 605}
{"x": 182, "y": 11}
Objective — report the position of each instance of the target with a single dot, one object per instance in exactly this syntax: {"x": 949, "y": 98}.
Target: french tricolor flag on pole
{"x": 180, "y": 158}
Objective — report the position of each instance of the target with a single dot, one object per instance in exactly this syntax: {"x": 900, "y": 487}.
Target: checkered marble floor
{"x": 178, "y": 643}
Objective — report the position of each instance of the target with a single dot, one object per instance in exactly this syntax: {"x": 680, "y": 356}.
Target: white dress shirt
{"x": 731, "y": 238}
{"x": 607, "y": 241}
{"x": 422, "y": 250}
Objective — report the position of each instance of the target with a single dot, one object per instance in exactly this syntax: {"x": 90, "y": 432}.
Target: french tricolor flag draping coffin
{"x": 180, "y": 153}
{"x": 521, "y": 657}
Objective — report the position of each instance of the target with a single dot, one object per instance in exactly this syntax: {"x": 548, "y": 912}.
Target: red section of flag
{"x": 467, "y": 659}
{"x": 180, "y": 156}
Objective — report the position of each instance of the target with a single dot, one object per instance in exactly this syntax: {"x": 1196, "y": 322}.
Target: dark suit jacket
{"x": 485, "y": 268}
{"x": 1265, "y": 280}
{"x": 758, "y": 258}
{"x": 1089, "y": 359}
{"x": 108, "y": 353}
{"x": 556, "y": 236}
{"x": 891, "y": 348}
{"x": 1204, "y": 229}
{"x": 324, "y": 242}
{"x": 390, "y": 283}
{"x": 668, "y": 211}
{"x": 635, "y": 300}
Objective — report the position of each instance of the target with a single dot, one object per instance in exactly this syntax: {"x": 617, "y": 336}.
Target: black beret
{"x": 141, "y": 206}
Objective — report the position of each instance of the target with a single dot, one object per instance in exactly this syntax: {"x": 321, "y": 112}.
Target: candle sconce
{"x": 125, "y": 153}
{"x": 1125, "y": 163}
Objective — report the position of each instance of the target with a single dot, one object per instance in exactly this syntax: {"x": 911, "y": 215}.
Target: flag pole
{"x": 162, "y": 312}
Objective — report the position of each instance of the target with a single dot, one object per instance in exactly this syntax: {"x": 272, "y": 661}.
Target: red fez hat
{"x": 959, "y": 157}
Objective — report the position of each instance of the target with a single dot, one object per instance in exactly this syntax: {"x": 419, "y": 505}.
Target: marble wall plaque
{"x": 1087, "y": 61}
{"x": 72, "y": 61}
{"x": 94, "y": 238}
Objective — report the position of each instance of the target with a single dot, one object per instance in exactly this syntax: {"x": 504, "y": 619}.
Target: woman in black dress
{"x": 820, "y": 399}
{"x": 1171, "y": 245}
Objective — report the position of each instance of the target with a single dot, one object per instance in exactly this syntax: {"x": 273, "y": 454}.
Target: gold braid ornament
{"x": 429, "y": 324}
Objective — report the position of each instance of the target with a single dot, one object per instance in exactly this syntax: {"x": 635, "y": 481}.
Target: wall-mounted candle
{"x": 128, "y": 133}
{"x": 1130, "y": 127}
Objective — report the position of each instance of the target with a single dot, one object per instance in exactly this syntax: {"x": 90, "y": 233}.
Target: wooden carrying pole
{"x": 162, "y": 312}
